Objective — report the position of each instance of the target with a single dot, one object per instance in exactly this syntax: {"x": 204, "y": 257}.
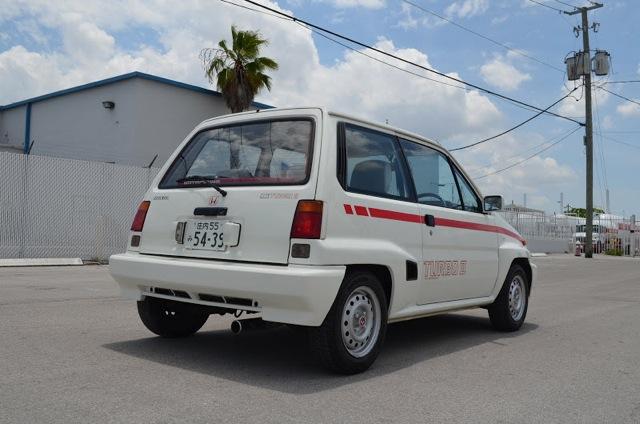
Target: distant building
{"x": 127, "y": 119}
{"x": 512, "y": 207}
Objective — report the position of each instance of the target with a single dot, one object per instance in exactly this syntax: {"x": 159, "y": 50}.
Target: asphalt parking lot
{"x": 72, "y": 351}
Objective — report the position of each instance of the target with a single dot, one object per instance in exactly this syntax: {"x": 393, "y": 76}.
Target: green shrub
{"x": 613, "y": 252}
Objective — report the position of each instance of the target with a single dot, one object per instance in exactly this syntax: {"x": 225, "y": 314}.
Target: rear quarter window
{"x": 373, "y": 163}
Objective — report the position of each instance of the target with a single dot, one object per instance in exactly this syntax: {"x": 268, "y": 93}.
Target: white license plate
{"x": 204, "y": 235}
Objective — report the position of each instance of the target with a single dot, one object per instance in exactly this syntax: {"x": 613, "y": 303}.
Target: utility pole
{"x": 561, "y": 202}
{"x": 588, "y": 139}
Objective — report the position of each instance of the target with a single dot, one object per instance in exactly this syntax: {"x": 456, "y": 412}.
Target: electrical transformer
{"x": 572, "y": 68}
{"x": 601, "y": 63}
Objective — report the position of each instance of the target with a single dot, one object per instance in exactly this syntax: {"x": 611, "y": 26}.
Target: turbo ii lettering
{"x": 437, "y": 269}
{"x": 319, "y": 220}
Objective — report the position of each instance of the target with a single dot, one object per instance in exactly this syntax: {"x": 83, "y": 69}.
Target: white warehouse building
{"x": 127, "y": 119}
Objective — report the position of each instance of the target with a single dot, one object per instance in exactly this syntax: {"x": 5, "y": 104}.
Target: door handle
{"x": 430, "y": 220}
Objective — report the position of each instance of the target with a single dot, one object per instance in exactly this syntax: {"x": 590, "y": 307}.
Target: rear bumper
{"x": 293, "y": 294}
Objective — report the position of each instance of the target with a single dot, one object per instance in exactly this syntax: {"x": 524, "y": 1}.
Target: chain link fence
{"x": 53, "y": 207}
{"x": 541, "y": 226}
{"x": 612, "y": 234}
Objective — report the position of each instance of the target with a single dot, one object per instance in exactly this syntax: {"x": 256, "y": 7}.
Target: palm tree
{"x": 239, "y": 72}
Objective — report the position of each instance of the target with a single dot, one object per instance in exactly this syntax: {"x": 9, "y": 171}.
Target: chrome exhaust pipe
{"x": 249, "y": 324}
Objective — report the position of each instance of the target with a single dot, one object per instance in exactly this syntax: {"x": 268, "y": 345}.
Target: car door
{"x": 459, "y": 246}
{"x": 376, "y": 213}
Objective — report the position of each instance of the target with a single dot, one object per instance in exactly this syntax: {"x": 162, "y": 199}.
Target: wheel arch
{"x": 382, "y": 272}
{"x": 526, "y": 266}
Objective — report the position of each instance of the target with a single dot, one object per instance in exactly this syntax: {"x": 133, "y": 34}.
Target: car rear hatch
{"x": 265, "y": 163}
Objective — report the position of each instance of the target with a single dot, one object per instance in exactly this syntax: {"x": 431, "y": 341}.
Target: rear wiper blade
{"x": 205, "y": 180}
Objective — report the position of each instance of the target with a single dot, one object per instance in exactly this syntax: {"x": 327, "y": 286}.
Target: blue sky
{"x": 45, "y": 46}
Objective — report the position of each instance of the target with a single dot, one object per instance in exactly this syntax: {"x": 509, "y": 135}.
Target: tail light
{"x": 307, "y": 221}
{"x": 141, "y": 214}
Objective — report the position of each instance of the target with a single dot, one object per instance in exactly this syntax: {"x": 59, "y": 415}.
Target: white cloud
{"x": 407, "y": 21}
{"x": 369, "y": 4}
{"x": 466, "y": 8}
{"x": 90, "y": 50}
{"x": 629, "y": 109}
{"x": 574, "y": 105}
{"x": 533, "y": 177}
{"x": 499, "y": 19}
{"x": 501, "y": 73}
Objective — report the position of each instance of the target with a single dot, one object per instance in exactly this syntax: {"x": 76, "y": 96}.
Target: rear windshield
{"x": 273, "y": 152}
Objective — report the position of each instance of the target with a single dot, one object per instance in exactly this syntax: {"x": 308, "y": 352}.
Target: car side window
{"x": 373, "y": 164}
{"x": 469, "y": 199}
{"x": 432, "y": 176}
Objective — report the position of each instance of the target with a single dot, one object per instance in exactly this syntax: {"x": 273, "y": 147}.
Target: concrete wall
{"x": 548, "y": 245}
{"x": 12, "y": 122}
{"x": 149, "y": 118}
{"x": 77, "y": 126}
{"x": 166, "y": 114}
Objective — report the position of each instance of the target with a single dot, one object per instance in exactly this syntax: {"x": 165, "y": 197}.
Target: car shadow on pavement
{"x": 279, "y": 358}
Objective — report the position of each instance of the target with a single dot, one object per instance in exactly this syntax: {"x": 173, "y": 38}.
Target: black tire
{"x": 171, "y": 319}
{"x": 327, "y": 342}
{"x": 500, "y": 313}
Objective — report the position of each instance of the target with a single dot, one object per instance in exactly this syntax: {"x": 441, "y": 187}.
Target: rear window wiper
{"x": 204, "y": 180}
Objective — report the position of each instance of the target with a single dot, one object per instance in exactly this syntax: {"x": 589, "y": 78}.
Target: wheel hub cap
{"x": 517, "y": 298}
{"x": 360, "y": 321}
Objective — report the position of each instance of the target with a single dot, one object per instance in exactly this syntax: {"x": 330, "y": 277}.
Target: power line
{"x": 351, "y": 40}
{"x": 547, "y": 6}
{"x": 382, "y": 61}
{"x": 351, "y": 48}
{"x": 602, "y": 174}
{"x": 514, "y": 127}
{"x": 601, "y": 144}
{"x": 618, "y": 95}
{"x": 564, "y": 137}
{"x": 507, "y": 159}
{"x": 620, "y": 82}
{"x": 256, "y": 10}
{"x": 635, "y": 146}
{"x": 498, "y": 43}
{"x": 566, "y": 4}
{"x": 360, "y": 52}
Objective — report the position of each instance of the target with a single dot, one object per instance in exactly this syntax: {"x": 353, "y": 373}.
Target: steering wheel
{"x": 432, "y": 195}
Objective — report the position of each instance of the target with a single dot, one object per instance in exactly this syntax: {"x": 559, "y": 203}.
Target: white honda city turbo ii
{"x": 322, "y": 221}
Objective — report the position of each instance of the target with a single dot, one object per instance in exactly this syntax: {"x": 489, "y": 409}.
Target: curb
{"x": 40, "y": 262}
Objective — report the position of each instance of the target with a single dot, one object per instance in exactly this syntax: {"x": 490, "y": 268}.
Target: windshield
{"x": 257, "y": 153}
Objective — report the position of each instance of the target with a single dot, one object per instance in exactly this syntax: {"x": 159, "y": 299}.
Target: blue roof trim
{"x": 123, "y": 77}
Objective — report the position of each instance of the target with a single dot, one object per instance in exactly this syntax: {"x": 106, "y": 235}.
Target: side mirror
{"x": 492, "y": 203}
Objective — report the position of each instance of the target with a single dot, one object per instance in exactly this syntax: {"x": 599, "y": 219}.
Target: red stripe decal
{"x": 361, "y": 210}
{"x": 441, "y": 222}
{"x": 452, "y": 223}
{"x": 396, "y": 216}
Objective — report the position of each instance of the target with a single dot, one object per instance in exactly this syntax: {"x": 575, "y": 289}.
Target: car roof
{"x": 326, "y": 111}
{"x": 330, "y": 112}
